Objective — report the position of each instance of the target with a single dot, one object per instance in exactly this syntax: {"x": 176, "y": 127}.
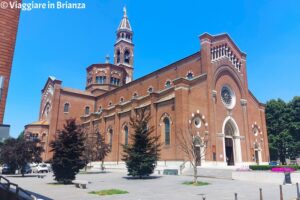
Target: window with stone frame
{"x": 190, "y": 76}
{"x": 167, "y": 130}
{"x": 126, "y": 134}
{"x": 127, "y": 56}
{"x": 110, "y": 132}
{"x": 115, "y": 81}
{"x": 118, "y": 56}
{"x": 87, "y": 110}
{"x": 66, "y": 107}
{"x": 101, "y": 79}
{"x": 168, "y": 84}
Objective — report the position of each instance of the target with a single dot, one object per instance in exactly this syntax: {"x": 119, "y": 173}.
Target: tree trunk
{"x": 102, "y": 165}
{"x": 195, "y": 174}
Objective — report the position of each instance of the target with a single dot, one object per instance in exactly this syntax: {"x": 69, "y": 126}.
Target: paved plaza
{"x": 160, "y": 187}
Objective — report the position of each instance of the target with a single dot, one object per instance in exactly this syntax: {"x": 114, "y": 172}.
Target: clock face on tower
{"x": 228, "y": 97}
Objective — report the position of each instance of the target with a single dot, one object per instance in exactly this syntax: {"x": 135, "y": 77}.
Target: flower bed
{"x": 279, "y": 168}
{"x": 282, "y": 169}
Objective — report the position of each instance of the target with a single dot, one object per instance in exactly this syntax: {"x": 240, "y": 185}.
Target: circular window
{"x": 197, "y": 122}
{"x": 255, "y": 131}
{"x": 228, "y": 97}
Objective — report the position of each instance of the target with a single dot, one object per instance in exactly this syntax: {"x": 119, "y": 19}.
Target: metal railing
{"x": 14, "y": 188}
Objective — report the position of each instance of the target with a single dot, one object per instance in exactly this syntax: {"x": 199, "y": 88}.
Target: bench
{"x": 41, "y": 176}
{"x": 170, "y": 172}
{"x": 80, "y": 184}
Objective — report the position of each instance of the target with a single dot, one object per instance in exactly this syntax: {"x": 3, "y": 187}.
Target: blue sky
{"x": 62, "y": 43}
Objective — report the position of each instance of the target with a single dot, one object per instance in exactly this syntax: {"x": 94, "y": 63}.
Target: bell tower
{"x": 123, "y": 52}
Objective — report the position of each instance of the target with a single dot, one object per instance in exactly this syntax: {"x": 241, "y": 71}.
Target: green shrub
{"x": 260, "y": 167}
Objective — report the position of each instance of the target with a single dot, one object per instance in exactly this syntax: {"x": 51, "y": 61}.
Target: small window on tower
{"x": 118, "y": 56}
{"x": 127, "y": 57}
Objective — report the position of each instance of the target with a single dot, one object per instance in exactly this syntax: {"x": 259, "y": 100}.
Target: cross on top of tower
{"x": 124, "y": 11}
{"x": 124, "y": 24}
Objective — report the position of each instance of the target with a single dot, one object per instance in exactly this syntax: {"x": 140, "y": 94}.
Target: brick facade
{"x": 185, "y": 91}
{"x": 9, "y": 20}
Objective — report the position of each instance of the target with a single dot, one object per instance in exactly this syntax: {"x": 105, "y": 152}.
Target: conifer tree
{"x": 68, "y": 153}
{"x": 142, "y": 154}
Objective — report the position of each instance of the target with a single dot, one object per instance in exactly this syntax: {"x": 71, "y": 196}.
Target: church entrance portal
{"x": 229, "y": 151}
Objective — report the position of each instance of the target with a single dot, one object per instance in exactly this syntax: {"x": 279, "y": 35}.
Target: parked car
{"x": 42, "y": 167}
{"x": 26, "y": 170}
{"x": 273, "y": 163}
{"x": 6, "y": 169}
{"x": 49, "y": 167}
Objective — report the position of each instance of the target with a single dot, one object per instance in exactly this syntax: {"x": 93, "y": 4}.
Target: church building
{"x": 206, "y": 91}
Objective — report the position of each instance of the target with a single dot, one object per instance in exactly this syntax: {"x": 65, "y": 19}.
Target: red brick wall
{"x": 9, "y": 19}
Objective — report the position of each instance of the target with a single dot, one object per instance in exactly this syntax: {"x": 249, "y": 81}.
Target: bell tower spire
{"x": 124, "y": 46}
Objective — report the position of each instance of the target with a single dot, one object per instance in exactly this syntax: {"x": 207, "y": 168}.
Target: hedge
{"x": 269, "y": 167}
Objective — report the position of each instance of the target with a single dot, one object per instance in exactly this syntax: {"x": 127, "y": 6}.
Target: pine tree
{"x": 141, "y": 156}
{"x": 68, "y": 153}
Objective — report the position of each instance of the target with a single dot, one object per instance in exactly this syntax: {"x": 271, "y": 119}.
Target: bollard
{"x": 280, "y": 189}
{"x": 298, "y": 193}
{"x": 235, "y": 196}
{"x": 260, "y": 194}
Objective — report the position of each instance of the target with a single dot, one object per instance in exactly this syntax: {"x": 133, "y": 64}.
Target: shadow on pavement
{"x": 26, "y": 176}
{"x": 142, "y": 178}
{"x": 39, "y": 196}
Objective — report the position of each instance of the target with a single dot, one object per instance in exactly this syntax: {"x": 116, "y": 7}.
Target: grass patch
{"x": 199, "y": 183}
{"x": 108, "y": 192}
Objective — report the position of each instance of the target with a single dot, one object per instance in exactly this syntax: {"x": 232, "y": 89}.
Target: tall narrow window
{"x": 110, "y": 137}
{"x": 118, "y": 56}
{"x": 126, "y": 134}
{"x": 167, "y": 130}
{"x": 66, "y": 107}
{"x": 127, "y": 57}
{"x": 87, "y": 110}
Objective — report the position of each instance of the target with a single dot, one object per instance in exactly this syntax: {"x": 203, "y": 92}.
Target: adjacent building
{"x": 9, "y": 20}
{"x": 206, "y": 91}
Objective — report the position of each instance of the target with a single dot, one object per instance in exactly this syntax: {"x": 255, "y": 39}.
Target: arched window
{"x": 66, "y": 107}
{"x": 87, "y": 110}
{"x": 114, "y": 81}
{"x": 135, "y": 95}
{"x": 150, "y": 89}
{"x": 118, "y": 56}
{"x": 190, "y": 75}
{"x": 110, "y": 132}
{"x": 167, "y": 130}
{"x": 229, "y": 129}
{"x": 127, "y": 56}
{"x": 101, "y": 79}
{"x": 126, "y": 134}
{"x": 168, "y": 84}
